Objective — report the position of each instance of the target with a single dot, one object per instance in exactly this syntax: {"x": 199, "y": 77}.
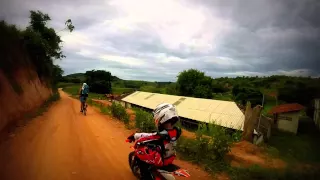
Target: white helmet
{"x": 163, "y": 113}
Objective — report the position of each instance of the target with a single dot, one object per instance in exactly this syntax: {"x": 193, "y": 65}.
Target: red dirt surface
{"x": 246, "y": 154}
{"x": 102, "y": 102}
{"x": 64, "y": 144}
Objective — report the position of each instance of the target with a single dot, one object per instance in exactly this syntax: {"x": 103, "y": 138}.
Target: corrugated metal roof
{"x": 286, "y": 108}
{"x": 224, "y": 113}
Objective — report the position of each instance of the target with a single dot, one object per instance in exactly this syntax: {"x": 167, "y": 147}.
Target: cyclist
{"x": 83, "y": 94}
{"x": 165, "y": 117}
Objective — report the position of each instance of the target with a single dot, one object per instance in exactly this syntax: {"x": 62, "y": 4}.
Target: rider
{"x": 83, "y": 93}
{"x": 165, "y": 117}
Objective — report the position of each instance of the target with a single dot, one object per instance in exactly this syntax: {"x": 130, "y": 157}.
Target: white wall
{"x": 288, "y": 122}
{"x": 128, "y": 105}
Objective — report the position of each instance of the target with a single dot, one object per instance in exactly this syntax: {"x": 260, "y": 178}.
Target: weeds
{"x": 209, "y": 149}
{"x": 144, "y": 121}
{"x": 294, "y": 148}
{"x": 119, "y": 112}
{"x": 236, "y": 136}
{"x": 105, "y": 110}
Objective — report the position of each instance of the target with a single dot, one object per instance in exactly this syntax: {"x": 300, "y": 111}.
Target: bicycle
{"x": 84, "y": 109}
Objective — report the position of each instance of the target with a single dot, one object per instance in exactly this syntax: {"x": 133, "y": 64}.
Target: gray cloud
{"x": 247, "y": 37}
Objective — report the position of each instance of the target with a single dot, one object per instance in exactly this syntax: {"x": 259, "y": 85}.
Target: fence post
{"x": 251, "y": 117}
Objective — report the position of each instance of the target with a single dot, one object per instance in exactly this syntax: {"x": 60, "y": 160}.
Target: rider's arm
{"x": 141, "y": 135}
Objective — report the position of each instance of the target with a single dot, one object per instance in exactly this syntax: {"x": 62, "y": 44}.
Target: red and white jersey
{"x": 169, "y": 143}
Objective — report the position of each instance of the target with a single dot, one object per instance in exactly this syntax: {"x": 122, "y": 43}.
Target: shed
{"x": 223, "y": 113}
{"x": 286, "y": 116}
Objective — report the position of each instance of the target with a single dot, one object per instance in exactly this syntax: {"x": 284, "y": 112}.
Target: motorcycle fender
{"x": 166, "y": 175}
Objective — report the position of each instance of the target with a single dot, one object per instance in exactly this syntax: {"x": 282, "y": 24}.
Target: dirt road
{"x": 63, "y": 144}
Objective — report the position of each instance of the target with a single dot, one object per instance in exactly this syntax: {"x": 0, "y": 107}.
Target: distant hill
{"x": 82, "y": 77}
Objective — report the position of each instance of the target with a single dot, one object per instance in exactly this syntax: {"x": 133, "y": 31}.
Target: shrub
{"x": 144, "y": 121}
{"x": 236, "y": 136}
{"x": 211, "y": 144}
{"x": 119, "y": 112}
{"x": 105, "y": 110}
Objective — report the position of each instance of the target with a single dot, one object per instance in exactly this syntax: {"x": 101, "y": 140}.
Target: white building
{"x": 223, "y": 113}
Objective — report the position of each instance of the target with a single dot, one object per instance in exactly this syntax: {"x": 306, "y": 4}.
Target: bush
{"x": 209, "y": 148}
{"x": 144, "y": 121}
{"x": 119, "y": 112}
{"x": 105, "y": 110}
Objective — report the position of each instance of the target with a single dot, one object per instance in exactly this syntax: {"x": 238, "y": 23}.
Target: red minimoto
{"x": 143, "y": 150}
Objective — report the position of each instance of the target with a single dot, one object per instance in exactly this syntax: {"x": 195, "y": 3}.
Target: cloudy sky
{"x": 156, "y": 39}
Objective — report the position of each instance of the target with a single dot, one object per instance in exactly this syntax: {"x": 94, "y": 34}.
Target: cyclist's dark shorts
{"x": 83, "y": 99}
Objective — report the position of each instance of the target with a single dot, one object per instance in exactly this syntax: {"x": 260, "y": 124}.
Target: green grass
{"x": 73, "y": 89}
{"x": 103, "y": 109}
{"x": 303, "y": 147}
{"x": 223, "y": 96}
{"x": 121, "y": 90}
{"x": 65, "y": 84}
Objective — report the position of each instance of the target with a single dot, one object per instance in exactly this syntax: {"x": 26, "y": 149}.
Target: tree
{"x": 57, "y": 74}
{"x": 202, "y": 91}
{"x": 44, "y": 46}
{"x": 171, "y": 89}
{"x": 99, "y": 81}
{"x": 193, "y": 82}
{"x": 218, "y": 87}
{"x": 69, "y": 25}
{"x": 243, "y": 94}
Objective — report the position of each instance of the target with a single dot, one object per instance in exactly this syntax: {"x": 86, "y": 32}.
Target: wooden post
{"x": 251, "y": 117}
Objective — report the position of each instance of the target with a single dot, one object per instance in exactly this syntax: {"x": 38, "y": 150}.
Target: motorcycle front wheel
{"x": 133, "y": 163}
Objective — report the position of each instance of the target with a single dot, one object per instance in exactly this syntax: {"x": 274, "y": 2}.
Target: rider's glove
{"x": 131, "y": 138}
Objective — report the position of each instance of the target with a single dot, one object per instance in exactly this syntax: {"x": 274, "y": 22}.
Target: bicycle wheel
{"x": 85, "y": 109}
